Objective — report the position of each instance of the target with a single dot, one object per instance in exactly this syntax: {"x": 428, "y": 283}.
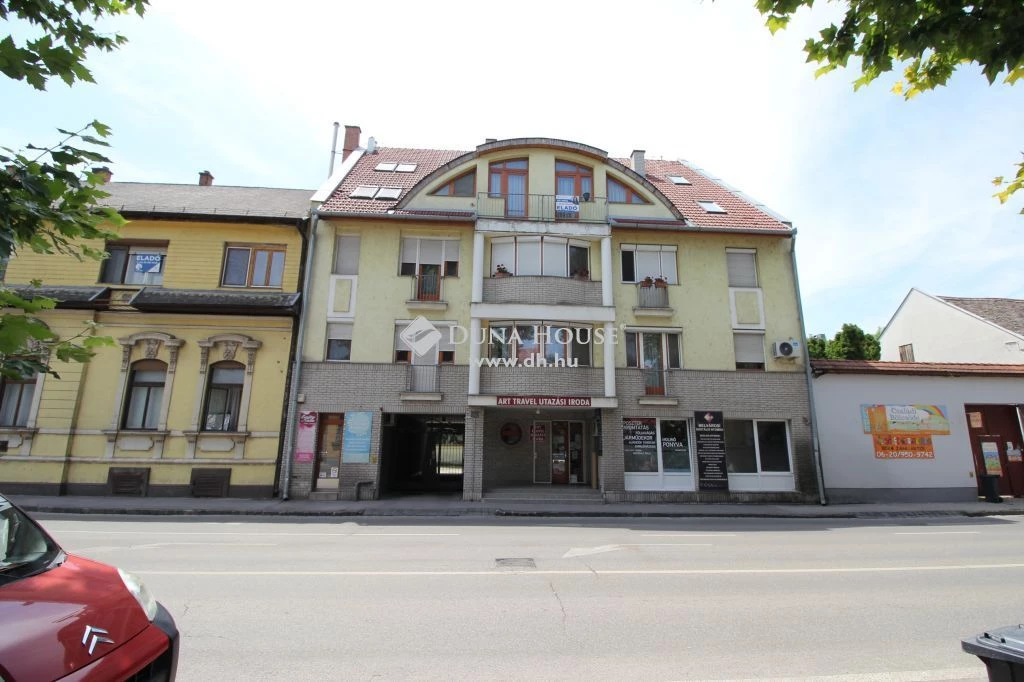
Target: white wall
{"x": 848, "y": 455}
{"x": 941, "y": 332}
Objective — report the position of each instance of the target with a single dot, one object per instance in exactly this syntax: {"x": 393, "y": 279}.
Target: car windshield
{"x": 24, "y": 548}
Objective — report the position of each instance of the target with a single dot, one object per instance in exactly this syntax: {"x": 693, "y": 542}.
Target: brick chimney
{"x": 104, "y": 173}
{"x": 205, "y": 178}
{"x": 637, "y": 161}
{"x": 352, "y": 134}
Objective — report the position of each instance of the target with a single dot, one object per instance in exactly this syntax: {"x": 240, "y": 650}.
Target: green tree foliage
{"x": 929, "y": 39}
{"x": 850, "y": 343}
{"x": 48, "y": 196}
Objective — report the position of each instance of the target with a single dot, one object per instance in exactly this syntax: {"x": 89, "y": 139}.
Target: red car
{"x": 63, "y": 617}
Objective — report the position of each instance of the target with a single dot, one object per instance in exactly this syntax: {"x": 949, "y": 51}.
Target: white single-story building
{"x": 914, "y": 432}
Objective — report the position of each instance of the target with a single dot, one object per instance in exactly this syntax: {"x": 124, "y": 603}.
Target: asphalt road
{"x": 630, "y": 599}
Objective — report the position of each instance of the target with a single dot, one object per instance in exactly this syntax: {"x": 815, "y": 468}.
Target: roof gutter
{"x": 815, "y": 444}
{"x": 691, "y": 227}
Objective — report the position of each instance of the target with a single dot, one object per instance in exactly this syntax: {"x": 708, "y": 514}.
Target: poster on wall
{"x": 903, "y": 447}
{"x": 640, "y": 444}
{"x": 922, "y": 419}
{"x": 305, "y": 437}
{"x": 539, "y": 432}
{"x": 355, "y": 448}
{"x": 990, "y": 453}
{"x": 712, "y": 471}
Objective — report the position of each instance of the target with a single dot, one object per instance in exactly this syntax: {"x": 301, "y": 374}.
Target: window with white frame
{"x": 536, "y": 255}
{"x": 346, "y": 255}
{"x": 134, "y": 264}
{"x": 429, "y": 257}
{"x": 654, "y": 445}
{"x": 742, "y": 267}
{"x": 442, "y": 352}
{"x": 16, "y": 400}
{"x": 557, "y": 343}
{"x": 640, "y": 261}
{"x": 652, "y": 350}
{"x": 755, "y": 446}
{"x": 339, "y": 341}
{"x": 749, "y": 349}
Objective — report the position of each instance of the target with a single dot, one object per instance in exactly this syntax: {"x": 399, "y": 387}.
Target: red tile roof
{"x": 741, "y": 212}
{"x": 426, "y": 160}
{"x": 949, "y": 369}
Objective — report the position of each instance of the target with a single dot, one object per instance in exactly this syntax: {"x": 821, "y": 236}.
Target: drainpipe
{"x": 816, "y": 445}
{"x": 293, "y": 390}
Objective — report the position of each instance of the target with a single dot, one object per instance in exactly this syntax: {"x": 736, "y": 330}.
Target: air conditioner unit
{"x": 786, "y": 349}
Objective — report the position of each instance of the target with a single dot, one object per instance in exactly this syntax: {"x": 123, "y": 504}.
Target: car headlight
{"x": 139, "y": 591}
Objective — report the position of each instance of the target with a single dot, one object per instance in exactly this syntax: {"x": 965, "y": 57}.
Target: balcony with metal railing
{"x": 652, "y": 301}
{"x": 543, "y": 207}
{"x": 423, "y": 382}
{"x": 427, "y": 292}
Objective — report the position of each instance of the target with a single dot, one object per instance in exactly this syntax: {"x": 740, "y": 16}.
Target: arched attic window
{"x": 462, "y": 186}
{"x": 621, "y": 193}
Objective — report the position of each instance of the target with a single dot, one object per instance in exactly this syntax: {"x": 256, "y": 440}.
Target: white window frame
{"x": 664, "y": 249}
{"x": 661, "y": 479}
{"x": 765, "y": 481}
{"x": 567, "y": 243}
{"x": 445, "y": 248}
{"x": 757, "y": 274}
{"x": 764, "y": 354}
{"x": 343, "y": 336}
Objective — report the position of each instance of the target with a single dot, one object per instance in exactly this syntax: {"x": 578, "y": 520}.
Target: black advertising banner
{"x": 640, "y": 445}
{"x": 712, "y": 472}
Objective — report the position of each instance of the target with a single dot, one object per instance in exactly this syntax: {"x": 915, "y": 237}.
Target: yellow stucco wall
{"x": 701, "y": 299}
{"x": 381, "y": 293}
{"x": 195, "y": 254}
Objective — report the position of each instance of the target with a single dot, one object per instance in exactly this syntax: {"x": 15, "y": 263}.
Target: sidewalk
{"x": 432, "y": 506}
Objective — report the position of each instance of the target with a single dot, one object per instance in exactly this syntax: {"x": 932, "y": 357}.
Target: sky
{"x": 885, "y": 194}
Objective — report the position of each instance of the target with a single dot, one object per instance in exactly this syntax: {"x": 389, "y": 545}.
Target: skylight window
{"x": 386, "y": 166}
{"x": 711, "y": 207}
{"x": 679, "y": 180}
{"x": 388, "y": 193}
{"x": 364, "y": 192}
{"x": 405, "y": 168}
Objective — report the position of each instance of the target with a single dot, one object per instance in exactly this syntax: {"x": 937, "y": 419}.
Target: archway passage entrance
{"x": 422, "y": 454}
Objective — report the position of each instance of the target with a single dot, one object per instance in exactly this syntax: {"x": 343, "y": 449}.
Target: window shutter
{"x": 409, "y": 245}
{"x": 430, "y": 251}
{"x": 346, "y": 255}
{"x": 399, "y": 343}
{"x": 503, "y": 252}
{"x": 749, "y": 347}
{"x": 742, "y": 269}
{"x": 337, "y": 330}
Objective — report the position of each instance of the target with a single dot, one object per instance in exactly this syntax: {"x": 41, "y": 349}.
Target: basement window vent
{"x": 679, "y": 180}
{"x": 405, "y": 168}
{"x": 711, "y": 207}
{"x": 386, "y": 166}
{"x": 389, "y": 193}
{"x": 363, "y": 192}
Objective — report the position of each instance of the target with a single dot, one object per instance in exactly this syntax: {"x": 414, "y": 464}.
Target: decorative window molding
{"x": 214, "y": 349}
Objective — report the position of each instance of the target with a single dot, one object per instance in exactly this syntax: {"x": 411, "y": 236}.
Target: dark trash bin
{"x": 1002, "y": 652}
{"x": 990, "y": 487}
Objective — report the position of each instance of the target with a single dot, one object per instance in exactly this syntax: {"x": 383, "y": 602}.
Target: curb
{"x": 523, "y": 513}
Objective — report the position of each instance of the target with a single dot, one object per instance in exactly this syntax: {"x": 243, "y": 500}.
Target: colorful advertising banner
{"x": 305, "y": 438}
{"x": 990, "y": 453}
{"x": 894, "y": 419}
{"x": 355, "y": 448}
{"x": 903, "y": 447}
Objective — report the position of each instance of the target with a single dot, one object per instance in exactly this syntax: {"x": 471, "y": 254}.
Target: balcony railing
{"x": 547, "y": 207}
{"x": 423, "y": 379}
{"x": 534, "y": 289}
{"x": 426, "y": 287}
{"x": 652, "y": 297}
{"x": 654, "y": 381}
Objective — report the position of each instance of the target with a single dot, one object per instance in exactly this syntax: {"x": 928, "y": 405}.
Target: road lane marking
{"x": 176, "y": 532}
{"x": 940, "y": 532}
{"x": 156, "y": 545}
{"x": 587, "y": 551}
{"x": 689, "y": 535}
{"x": 976, "y": 673}
{"x": 599, "y": 571}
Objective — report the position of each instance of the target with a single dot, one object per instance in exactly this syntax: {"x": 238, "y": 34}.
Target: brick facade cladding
{"x": 551, "y": 290}
{"x": 334, "y": 388}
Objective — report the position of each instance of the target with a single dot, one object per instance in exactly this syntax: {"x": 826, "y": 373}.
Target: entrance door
{"x": 576, "y": 459}
{"x": 560, "y": 452}
{"x": 328, "y": 452}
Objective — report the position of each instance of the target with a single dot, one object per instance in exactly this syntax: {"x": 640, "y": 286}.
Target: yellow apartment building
{"x": 201, "y": 296}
